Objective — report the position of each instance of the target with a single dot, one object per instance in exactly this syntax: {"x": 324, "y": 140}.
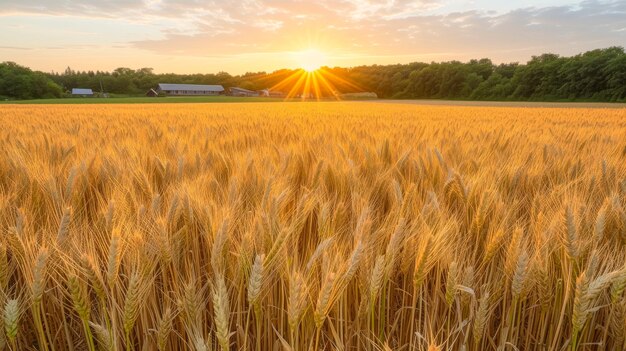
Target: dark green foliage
{"x": 18, "y": 82}
{"x": 598, "y": 75}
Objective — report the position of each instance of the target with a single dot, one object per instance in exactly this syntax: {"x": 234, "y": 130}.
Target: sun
{"x": 312, "y": 78}
{"x": 310, "y": 60}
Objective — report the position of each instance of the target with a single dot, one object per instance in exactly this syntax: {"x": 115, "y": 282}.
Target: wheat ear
{"x": 221, "y": 312}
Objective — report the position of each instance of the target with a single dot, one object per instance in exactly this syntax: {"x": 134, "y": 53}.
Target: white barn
{"x": 82, "y": 92}
{"x": 190, "y": 89}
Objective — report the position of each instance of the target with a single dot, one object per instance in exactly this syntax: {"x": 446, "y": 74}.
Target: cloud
{"x": 392, "y": 31}
{"x": 71, "y": 8}
{"x": 14, "y": 48}
{"x": 352, "y": 27}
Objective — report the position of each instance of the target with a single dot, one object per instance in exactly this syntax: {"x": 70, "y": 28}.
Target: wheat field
{"x": 312, "y": 226}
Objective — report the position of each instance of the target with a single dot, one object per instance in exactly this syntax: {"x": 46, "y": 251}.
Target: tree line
{"x": 597, "y": 75}
{"x": 18, "y": 82}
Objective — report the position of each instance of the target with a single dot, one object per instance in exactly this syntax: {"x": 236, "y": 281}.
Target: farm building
{"x": 235, "y": 91}
{"x": 152, "y": 93}
{"x": 82, "y": 92}
{"x": 189, "y": 89}
{"x": 272, "y": 93}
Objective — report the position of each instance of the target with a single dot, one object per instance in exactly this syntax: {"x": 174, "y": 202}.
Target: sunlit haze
{"x": 186, "y": 36}
{"x": 310, "y": 60}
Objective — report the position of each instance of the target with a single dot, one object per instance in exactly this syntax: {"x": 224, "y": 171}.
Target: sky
{"x": 208, "y": 36}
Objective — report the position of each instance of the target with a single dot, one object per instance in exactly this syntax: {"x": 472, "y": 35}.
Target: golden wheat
{"x": 312, "y": 226}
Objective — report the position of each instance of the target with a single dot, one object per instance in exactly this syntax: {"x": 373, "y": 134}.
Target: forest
{"x": 597, "y": 75}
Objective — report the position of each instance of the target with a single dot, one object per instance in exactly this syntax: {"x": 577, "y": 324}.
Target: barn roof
{"x": 81, "y": 91}
{"x": 242, "y": 90}
{"x": 191, "y": 87}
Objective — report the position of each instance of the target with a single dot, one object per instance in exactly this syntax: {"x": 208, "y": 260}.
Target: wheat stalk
{"x": 200, "y": 344}
{"x": 79, "y": 297}
{"x": 586, "y": 293}
{"x": 217, "y": 250}
{"x": 395, "y": 243}
{"x": 451, "y": 282}
{"x": 618, "y": 286}
{"x": 319, "y": 250}
{"x": 481, "y": 318}
{"x": 64, "y": 225}
{"x": 353, "y": 264}
{"x": 132, "y": 303}
{"x": 114, "y": 259}
{"x": 256, "y": 283}
{"x": 104, "y": 337}
{"x": 324, "y": 300}
{"x": 221, "y": 312}
{"x": 519, "y": 278}
{"x": 39, "y": 275}
{"x": 376, "y": 278}
{"x": 600, "y": 224}
{"x": 4, "y": 267}
{"x": 421, "y": 264}
{"x": 297, "y": 300}
{"x": 94, "y": 277}
{"x": 191, "y": 305}
{"x": 571, "y": 237}
{"x": 164, "y": 329}
{"x": 11, "y": 316}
